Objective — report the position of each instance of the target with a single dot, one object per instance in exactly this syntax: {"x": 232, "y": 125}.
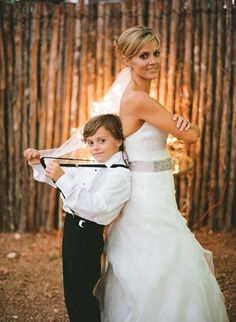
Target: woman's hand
{"x": 32, "y": 156}
{"x": 54, "y": 171}
{"x": 182, "y": 123}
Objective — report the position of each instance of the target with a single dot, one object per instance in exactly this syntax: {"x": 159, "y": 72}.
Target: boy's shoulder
{"x": 116, "y": 161}
{"x": 119, "y": 173}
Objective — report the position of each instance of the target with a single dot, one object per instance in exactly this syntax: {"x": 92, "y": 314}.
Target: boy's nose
{"x": 95, "y": 146}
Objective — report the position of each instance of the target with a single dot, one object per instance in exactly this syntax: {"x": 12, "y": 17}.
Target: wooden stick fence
{"x": 56, "y": 59}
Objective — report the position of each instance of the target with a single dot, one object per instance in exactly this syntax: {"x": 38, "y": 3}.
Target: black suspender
{"x": 80, "y": 165}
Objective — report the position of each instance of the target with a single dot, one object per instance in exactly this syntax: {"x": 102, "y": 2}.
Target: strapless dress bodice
{"x": 148, "y": 143}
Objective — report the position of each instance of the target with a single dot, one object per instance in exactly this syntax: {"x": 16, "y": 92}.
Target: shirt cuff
{"x": 65, "y": 184}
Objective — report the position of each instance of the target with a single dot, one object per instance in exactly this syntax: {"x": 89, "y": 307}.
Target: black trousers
{"x": 81, "y": 252}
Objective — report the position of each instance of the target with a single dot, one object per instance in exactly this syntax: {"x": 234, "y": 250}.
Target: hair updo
{"x": 133, "y": 39}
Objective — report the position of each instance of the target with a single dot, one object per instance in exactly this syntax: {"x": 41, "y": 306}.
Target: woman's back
{"x": 147, "y": 143}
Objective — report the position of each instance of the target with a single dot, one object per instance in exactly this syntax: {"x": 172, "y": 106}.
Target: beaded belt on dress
{"x": 151, "y": 166}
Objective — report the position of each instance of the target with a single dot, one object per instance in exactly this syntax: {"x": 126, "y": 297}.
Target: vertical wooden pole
{"x": 214, "y": 194}
{"x": 198, "y": 184}
{"x": 11, "y": 98}
{"x": 155, "y": 21}
{"x": 52, "y": 77}
{"x": 3, "y": 118}
{"x": 230, "y": 209}
{"x": 59, "y": 82}
{"x": 141, "y": 12}
{"x": 33, "y": 97}
{"x": 69, "y": 40}
{"x": 43, "y": 193}
{"x": 76, "y": 67}
{"x": 224, "y": 175}
{"x": 172, "y": 52}
{"x": 127, "y": 20}
{"x": 99, "y": 51}
{"x": 52, "y": 108}
{"x": 116, "y": 34}
{"x": 195, "y": 148}
{"x": 26, "y": 172}
{"x": 162, "y": 12}
{"x": 186, "y": 92}
{"x": 83, "y": 101}
{"x": 91, "y": 58}
{"x": 208, "y": 113}
{"x": 108, "y": 44}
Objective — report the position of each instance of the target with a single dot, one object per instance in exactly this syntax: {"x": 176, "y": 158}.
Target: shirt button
{"x": 96, "y": 170}
{"x": 83, "y": 183}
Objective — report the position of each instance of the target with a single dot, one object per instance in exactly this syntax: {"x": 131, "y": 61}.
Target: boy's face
{"x": 102, "y": 145}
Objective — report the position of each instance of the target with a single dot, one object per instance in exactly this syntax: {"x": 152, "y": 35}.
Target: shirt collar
{"x": 115, "y": 159}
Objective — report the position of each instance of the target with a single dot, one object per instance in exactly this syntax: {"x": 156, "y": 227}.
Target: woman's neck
{"x": 140, "y": 84}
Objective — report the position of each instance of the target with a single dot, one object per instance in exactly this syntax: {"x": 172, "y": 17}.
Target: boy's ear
{"x": 120, "y": 143}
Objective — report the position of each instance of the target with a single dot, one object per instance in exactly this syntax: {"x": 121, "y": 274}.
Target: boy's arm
{"x": 39, "y": 174}
{"x": 103, "y": 205}
{"x": 33, "y": 158}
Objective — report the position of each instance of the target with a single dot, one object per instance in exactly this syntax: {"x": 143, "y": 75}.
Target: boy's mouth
{"x": 97, "y": 155}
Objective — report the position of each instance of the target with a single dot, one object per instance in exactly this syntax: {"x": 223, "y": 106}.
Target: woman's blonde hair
{"x": 133, "y": 39}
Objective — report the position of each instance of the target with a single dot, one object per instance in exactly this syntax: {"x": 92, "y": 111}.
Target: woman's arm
{"x": 148, "y": 109}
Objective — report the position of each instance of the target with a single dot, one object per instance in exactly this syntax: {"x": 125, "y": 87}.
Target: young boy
{"x": 92, "y": 198}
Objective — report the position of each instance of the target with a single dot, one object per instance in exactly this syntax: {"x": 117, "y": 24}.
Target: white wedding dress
{"x": 157, "y": 270}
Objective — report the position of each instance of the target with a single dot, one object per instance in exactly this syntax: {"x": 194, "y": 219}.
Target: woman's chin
{"x": 152, "y": 75}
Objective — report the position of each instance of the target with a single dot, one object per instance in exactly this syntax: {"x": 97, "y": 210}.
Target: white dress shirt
{"x": 96, "y": 194}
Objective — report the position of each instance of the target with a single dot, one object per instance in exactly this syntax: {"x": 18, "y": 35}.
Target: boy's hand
{"x": 32, "y": 156}
{"x": 182, "y": 123}
{"x": 54, "y": 171}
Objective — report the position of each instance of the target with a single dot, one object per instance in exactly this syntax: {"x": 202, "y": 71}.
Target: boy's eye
{"x": 102, "y": 141}
{"x": 90, "y": 143}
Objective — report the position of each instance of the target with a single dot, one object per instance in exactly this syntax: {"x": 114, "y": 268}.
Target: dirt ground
{"x": 31, "y": 275}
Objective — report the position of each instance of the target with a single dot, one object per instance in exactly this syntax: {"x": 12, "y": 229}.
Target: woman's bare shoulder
{"x": 134, "y": 100}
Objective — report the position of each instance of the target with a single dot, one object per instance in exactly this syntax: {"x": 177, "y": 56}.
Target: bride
{"x": 157, "y": 270}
